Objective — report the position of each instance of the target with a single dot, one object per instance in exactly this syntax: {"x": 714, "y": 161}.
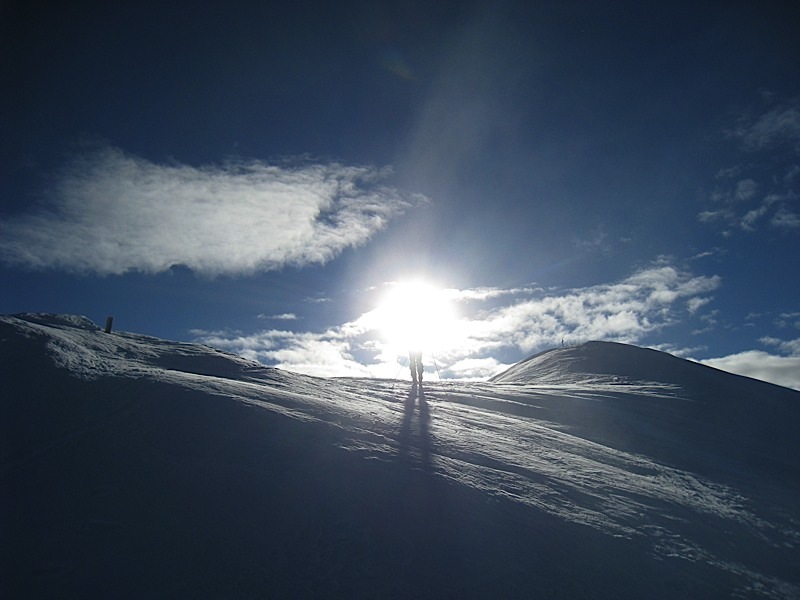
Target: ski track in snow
{"x": 505, "y": 440}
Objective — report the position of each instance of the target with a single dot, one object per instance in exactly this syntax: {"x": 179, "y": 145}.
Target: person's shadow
{"x": 415, "y": 436}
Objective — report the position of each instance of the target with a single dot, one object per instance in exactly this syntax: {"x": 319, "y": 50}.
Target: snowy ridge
{"x": 216, "y": 476}
{"x": 612, "y": 362}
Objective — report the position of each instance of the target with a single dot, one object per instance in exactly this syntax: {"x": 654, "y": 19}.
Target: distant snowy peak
{"x": 611, "y": 362}
{"x": 595, "y": 362}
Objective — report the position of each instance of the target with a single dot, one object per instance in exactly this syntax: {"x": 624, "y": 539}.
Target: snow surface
{"x": 136, "y": 467}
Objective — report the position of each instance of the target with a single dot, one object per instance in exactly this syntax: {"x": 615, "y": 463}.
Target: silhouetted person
{"x": 415, "y": 363}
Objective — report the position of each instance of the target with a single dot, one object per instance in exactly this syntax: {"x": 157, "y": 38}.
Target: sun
{"x": 415, "y": 315}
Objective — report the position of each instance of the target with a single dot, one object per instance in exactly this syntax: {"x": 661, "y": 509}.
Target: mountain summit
{"x": 608, "y": 362}
{"x": 137, "y": 467}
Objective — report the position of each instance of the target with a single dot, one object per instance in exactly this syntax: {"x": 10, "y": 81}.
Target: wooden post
{"x": 109, "y": 322}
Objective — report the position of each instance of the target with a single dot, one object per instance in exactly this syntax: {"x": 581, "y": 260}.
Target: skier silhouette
{"x": 415, "y": 363}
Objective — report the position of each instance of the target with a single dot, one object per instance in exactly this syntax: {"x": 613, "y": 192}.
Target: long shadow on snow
{"x": 416, "y": 440}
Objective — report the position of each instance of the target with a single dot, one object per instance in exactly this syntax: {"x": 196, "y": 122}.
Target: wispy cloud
{"x": 696, "y": 303}
{"x": 790, "y": 347}
{"x": 280, "y": 317}
{"x": 785, "y": 218}
{"x": 714, "y": 252}
{"x": 789, "y": 319}
{"x": 779, "y": 125}
{"x": 745, "y": 190}
{"x": 625, "y": 311}
{"x": 486, "y": 293}
{"x": 110, "y": 212}
{"x": 493, "y": 322}
{"x": 763, "y": 190}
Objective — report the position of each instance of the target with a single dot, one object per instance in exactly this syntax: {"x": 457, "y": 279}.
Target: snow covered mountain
{"x": 137, "y": 467}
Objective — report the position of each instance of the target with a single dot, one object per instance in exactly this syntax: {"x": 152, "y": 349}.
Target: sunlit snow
{"x": 134, "y": 466}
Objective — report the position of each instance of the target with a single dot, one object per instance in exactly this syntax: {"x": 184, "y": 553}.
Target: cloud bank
{"x": 782, "y": 370}
{"x": 110, "y": 213}
{"x": 625, "y": 311}
{"x": 523, "y": 320}
{"x": 492, "y": 322}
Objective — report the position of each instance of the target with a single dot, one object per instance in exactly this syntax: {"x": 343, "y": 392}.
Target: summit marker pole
{"x": 403, "y": 364}
{"x": 437, "y": 366}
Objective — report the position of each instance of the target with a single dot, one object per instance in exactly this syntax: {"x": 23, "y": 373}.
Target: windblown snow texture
{"x": 136, "y": 467}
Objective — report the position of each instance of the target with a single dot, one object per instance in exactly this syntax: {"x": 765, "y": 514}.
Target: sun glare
{"x": 416, "y": 315}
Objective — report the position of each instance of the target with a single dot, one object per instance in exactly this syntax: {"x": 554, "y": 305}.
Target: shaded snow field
{"x": 601, "y": 470}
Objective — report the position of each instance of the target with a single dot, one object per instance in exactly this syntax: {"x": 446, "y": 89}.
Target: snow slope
{"x": 136, "y": 467}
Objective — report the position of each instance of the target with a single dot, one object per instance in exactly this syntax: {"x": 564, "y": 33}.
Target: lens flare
{"x": 416, "y": 315}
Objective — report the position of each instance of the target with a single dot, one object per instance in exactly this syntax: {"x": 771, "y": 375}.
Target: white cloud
{"x": 696, "y": 303}
{"x": 476, "y": 368}
{"x": 781, "y": 370}
{"x": 791, "y": 347}
{"x": 786, "y": 219}
{"x": 111, "y": 212}
{"x": 745, "y": 190}
{"x": 710, "y": 216}
{"x": 485, "y": 293}
{"x": 751, "y": 217}
{"x": 749, "y": 220}
{"x": 730, "y": 214}
{"x": 766, "y": 189}
{"x": 729, "y": 173}
{"x": 324, "y": 354}
{"x": 524, "y": 321}
{"x": 281, "y": 317}
{"x": 595, "y": 241}
{"x": 677, "y": 350}
{"x": 781, "y": 124}
{"x": 625, "y": 311}
{"x": 714, "y": 252}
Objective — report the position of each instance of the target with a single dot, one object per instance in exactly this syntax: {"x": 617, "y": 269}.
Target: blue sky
{"x": 259, "y": 176}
